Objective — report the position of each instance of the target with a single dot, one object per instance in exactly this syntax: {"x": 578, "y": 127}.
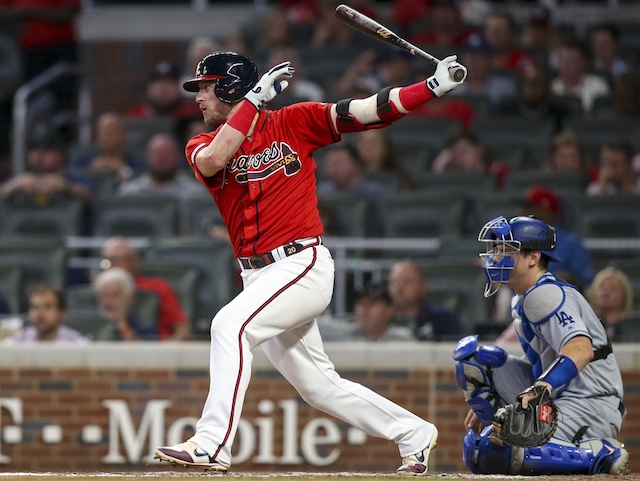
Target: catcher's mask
{"x": 505, "y": 238}
{"x": 234, "y": 75}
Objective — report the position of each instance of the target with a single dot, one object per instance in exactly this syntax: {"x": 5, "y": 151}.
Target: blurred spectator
{"x": 379, "y": 155}
{"x": 163, "y": 175}
{"x": 277, "y": 31}
{"x": 611, "y": 296}
{"x": 407, "y": 14}
{"x": 500, "y": 30}
{"x": 4, "y": 305}
{"x": 116, "y": 290}
{"x": 482, "y": 79}
{"x": 372, "y": 320}
{"x": 197, "y": 49}
{"x": 46, "y": 179}
{"x": 374, "y": 70}
{"x": 343, "y": 170}
{"x": 447, "y": 107}
{"x": 329, "y": 31}
{"x": 47, "y": 36}
{"x": 573, "y": 75}
{"x": 111, "y": 139}
{"x": 173, "y": 323}
{"x": 626, "y": 96}
{"x": 447, "y": 28}
{"x": 538, "y": 34}
{"x": 604, "y": 40}
{"x": 465, "y": 152}
{"x": 47, "y": 312}
{"x": 575, "y": 267}
{"x": 407, "y": 288}
{"x": 300, "y": 88}
{"x": 300, "y": 11}
{"x": 236, "y": 41}
{"x": 568, "y": 153}
{"x": 534, "y": 100}
{"x": 615, "y": 173}
{"x": 163, "y": 97}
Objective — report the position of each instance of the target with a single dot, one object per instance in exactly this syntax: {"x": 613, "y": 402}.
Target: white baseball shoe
{"x": 418, "y": 464}
{"x": 189, "y": 455}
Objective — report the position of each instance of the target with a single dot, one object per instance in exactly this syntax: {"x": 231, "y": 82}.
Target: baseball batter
{"x": 566, "y": 351}
{"x": 258, "y": 166}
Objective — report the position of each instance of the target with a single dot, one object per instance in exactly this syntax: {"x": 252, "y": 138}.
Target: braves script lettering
{"x": 261, "y": 165}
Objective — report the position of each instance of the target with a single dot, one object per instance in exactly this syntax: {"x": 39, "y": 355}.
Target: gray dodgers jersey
{"x": 550, "y": 314}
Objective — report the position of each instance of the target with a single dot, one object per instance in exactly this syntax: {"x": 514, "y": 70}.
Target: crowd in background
{"x": 531, "y": 70}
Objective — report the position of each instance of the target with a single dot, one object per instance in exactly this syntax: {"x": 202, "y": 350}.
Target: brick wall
{"x": 72, "y": 390}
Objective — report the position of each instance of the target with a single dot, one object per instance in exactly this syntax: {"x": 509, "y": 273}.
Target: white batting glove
{"x": 270, "y": 85}
{"x": 440, "y": 83}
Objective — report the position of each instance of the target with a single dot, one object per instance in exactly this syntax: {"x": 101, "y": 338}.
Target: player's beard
{"x": 217, "y": 115}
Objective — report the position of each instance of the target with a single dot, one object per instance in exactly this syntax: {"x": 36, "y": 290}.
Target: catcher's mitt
{"x": 525, "y": 428}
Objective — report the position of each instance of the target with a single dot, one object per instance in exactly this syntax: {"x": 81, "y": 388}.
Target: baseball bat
{"x": 369, "y": 26}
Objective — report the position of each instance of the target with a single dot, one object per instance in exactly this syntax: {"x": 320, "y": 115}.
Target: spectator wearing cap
{"x": 407, "y": 289}
{"x": 163, "y": 98}
{"x": 372, "y": 320}
{"x": 482, "y": 79}
{"x": 447, "y": 26}
{"x": 46, "y": 180}
{"x": 575, "y": 267}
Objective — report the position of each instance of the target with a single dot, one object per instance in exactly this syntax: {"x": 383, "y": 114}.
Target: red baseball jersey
{"x": 267, "y": 192}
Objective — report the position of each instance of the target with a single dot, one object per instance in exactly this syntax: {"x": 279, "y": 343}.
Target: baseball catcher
{"x": 558, "y": 409}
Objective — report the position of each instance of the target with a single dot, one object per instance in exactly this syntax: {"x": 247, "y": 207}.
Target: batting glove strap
{"x": 270, "y": 85}
{"x": 560, "y": 373}
{"x": 441, "y": 83}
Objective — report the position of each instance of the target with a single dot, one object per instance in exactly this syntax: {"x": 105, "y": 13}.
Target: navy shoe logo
{"x": 420, "y": 457}
{"x": 197, "y": 452}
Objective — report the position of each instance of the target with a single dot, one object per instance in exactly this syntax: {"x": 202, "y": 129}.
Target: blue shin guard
{"x": 594, "y": 456}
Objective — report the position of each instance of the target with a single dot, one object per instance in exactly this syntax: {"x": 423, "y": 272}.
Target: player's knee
{"x": 484, "y": 457}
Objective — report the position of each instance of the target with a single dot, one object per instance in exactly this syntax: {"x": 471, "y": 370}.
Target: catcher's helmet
{"x": 514, "y": 234}
{"x": 234, "y": 74}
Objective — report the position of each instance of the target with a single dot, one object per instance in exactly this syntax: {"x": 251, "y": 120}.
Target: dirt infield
{"x": 290, "y": 476}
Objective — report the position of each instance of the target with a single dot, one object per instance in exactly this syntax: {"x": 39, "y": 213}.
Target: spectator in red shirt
{"x": 500, "y": 30}
{"x": 173, "y": 323}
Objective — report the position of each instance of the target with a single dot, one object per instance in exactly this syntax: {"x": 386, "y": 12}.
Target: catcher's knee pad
{"x": 473, "y": 369}
{"x": 484, "y": 457}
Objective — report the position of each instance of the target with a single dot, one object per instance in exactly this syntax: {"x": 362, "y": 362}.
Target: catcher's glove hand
{"x": 515, "y": 426}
